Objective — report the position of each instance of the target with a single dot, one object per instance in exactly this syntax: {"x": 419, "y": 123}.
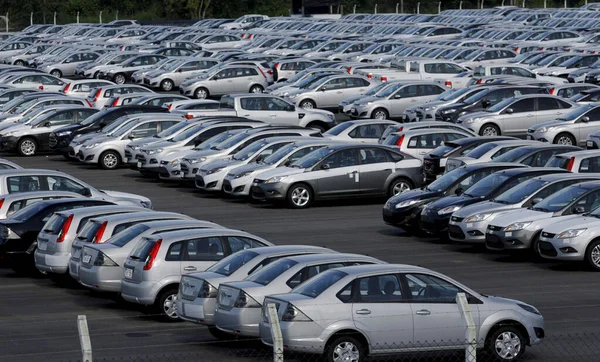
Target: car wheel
{"x": 564, "y": 139}
{"x": 399, "y": 186}
{"x": 507, "y": 344}
{"x": 96, "y": 75}
{"x": 256, "y": 89}
{"x": 201, "y": 93}
{"x": 299, "y": 196}
{"x": 167, "y": 304}
{"x": 535, "y": 246}
{"x": 20, "y": 62}
{"x": 219, "y": 334}
{"x": 109, "y": 160}
{"x": 592, "y": 255}
{"x": 489, "y": 130}
{"x": 345, "y": 349}
{"x": 57, "y": 73}
{"x": 380, "y": 114}
{"x": 308, "y": 104}
{"x": 119, "y": 79}
{"x": 166, "y": 85}
{"x": 27, "y": 147}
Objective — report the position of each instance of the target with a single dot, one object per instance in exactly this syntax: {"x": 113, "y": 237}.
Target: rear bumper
{"x": 141, "y": 293}
{"x": 103, "y": 278}
{"x": 199, "y": 310}
{"x": 52, "y": 263}
{"x": 239, "y": 321}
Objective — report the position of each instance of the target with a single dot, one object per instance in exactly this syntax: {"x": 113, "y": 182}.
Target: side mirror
{"x": 536, "y": 200}
{"x": 508, "y": 111}
{"x": 578, "y": 210}
{"x": 397, "y": 96}
{"x": 86, "y": 192}
{"x": 323, "y": 89}
{"x": 459, "y": 191}
{"x": 287, "y": 163}
{"x": 585, "y": 119}
{"x": 47, "y": 124}
{"x": 215, "y": 77}
{"x": 485, "y": 103}
{"x": 179, "y": 70}
{"x": 259, "y": 158}
{"x": 290, "y": 108}
{"x": 325, "y": 166}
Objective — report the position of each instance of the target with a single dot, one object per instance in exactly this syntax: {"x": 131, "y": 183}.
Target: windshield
{"x": 231, "y": 141}
{"x": 269, "y": 273}
{"x": 558, "y": 161}
{"x": 93, "y": 118}
{"x": 389, "y": 90}
{"x": 35, "y": 114}
{"x": 557, "y": 201}
{"x": 124, "y": 129}
{"x": 487, "y": 185}
{"x": 173, "y": 129}
{"x": 576, "y": 113}
{"x": 444, "y": 149}
{"x": 10, "y": 104}
{"x": 312, "y": 158}
{"x": 481, "y": 150}
{"x": 310, "y": 81}
{"x": 338, "y": 129}
{"x": 373, "y": 91}
{"x": 513, "y": 155}
{"x": 248, "y": 151}
{"x": 477, "y": 96}
{"x": 187, "y": 133}
{"x": 121, "y": 239}
{"x": 318, "y": 284}
{"x": 447, "y": 180}
{"x": 232, "y": 263}
{"x": 521, "y": 192}
{"x": 23, "y": 106}
{"x": 214, "y": 140}
{"x": 28, "y": 212}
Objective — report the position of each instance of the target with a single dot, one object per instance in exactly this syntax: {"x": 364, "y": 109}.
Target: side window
{"x": 538, "y": 159}
{"x": 59, "y": 183}
{"x": 23, "y": 184}
{"x": 408, "y": 92}
{"x": 61, "y": 119}
{"x": 345, "y": 295}
{"x": 301, "y": 153}
{"x": 333, "y": 84}
{"x": 426, "y": 141}
{"x": 453, "y": 136}
{"x": 145, "y": 130}
{"x": 590, "y": 201}
{"x": 367, "y": 131}
{"x": 174, "y": 252}
{"x": 429, "y": 90}
{"x": 430, "y": 289}
{"x": 343, "y": 158}
{"x": 590, "y": 164}
{"x": 309, "y": 272}
{"x": 524, "y": 105}
{"x": 237, "y": 243}
{"x": 204, "y": 249}
{"x": 83, "y": 114}
{"x": 369, "y": 156}
{"x": 547, "y": 104}
{"x": 380, "y": 289}
{"x": 474, "y": 178}
{"x": 502, "y": 151}
{"x": 275, "y": 104}
{"x": 253, "y": 103}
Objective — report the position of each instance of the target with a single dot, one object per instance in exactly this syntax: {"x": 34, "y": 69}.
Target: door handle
{"x": 245, "y": 115}
{"x": 339, "y": 92}
{"x": 363, "y": 311}
{"x": 558, "y": 113}
{"x": 530, "y": 115}
{"x": 423, "y": 312}
{"x": 190, "y": 268}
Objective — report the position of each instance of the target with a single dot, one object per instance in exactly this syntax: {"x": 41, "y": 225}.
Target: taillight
{"x": 152, "y": 254}
{"x": 516, "y": 49}
{"x": 169, "y": 107}
{"x": 269, "y": 71}
{"x": 41, "y": 87}
{"x": 552, "y": 91}
{"x": 67, "y": 88}
{"x": 479, "y": 81}
{"x": 370, "y": 75}
{"x": 263, "y": 73}
{"x": 400, "y": 129}
{"x": 399, "y": 143}
{"x": 448, "y": 84}
{"x": 89, "y": 104}
{"x": 121, "y": 47}
{"x": 115, "y": 102}
{"x": 349, "y": 70}
{"x": 96, "y": 239}
{"x": 384, "y": 79}
{"x": 64, "y": 229}
{"x": 98, "y": 92}
{"x": 189, "y": 116}
{"x": 1, "y": 202}
{"x": 276, "y": 66}
{"x": 570, "y": 164}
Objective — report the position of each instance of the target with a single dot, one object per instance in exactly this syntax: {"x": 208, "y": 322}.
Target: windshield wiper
{"x": 214, "y": 148}
{"x": 468, "y": 195}
{"x": 540, "y": 209}
{"x": 500, "y": 201}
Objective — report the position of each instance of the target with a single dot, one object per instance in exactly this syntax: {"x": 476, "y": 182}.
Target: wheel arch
{"x": 352, "y": 332}
{"x": 510, "y": 322}
{"x": 568, "y": 133}
{"x": 167, "y": 285}
{"x": 491, "y": 124}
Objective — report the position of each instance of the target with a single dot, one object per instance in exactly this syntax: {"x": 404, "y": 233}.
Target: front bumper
{"x": 498, "y": 239}
{"x": 239, "y": 321}
{"x": 463, "y": 232}
{"x": 592, "y": 143}
{"x": 212, "y": 182}
{"x": 87, "y": 155}
{"x": 271, "y": 191}
{"x": 199, "y": 310}
{"x": 8, "y": 143}
{"x": 433, "y": 223}
{"x": 360, "y": 112}
{"x": 52, "y": 263}
{"x": 237, "y": 186}
{"x": 542, "y": 137}
{"x": 406, "y": 216}
{"x": 562, "y": 249}
{"x": 103, "y": 278}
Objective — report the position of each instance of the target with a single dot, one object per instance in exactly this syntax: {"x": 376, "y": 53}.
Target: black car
{"x": 404, "y": 210}
{"x": 535, "y": 155}
{"x": 18, "y": 233}
{"x": 432, "y": 162}
{"x": 435, "y": 217}
{"x": 482, "y": 100}
{"x": 59, "y": 139}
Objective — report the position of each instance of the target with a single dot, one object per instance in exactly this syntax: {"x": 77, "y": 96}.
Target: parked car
{"x": 578, "y": 161}
{"x": 224, "y": 80}
{"x": 367, "y": 131}
{"x": 419, "y": 142}
{"x": 572, "y": 128}
{"x": 485, "y": 153}
{"x": 15, "y": 202}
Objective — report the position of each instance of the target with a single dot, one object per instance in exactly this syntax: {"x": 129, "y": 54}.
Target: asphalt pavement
{"x": 38, "y": 317}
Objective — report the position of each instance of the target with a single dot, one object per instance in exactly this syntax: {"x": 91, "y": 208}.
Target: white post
{"x": 482, "y": 3}
{"x": 375, "y": 10}
{"x": 460, "y": 5}
{"x": 502, "y": 3}
{"x": 7, "y": 22}
{"x": 471, "y": 332}
{"x": 78, "y": 17}
{"x": 31, "y": 18}
{"x": 523, "y": 6}
{"x": 439, "y": 7}
{"x": 117, "y": 17}
{"x": 397, "y": 6}
{"x": 565, "y": 4}
{"x": 84, "y": 338}
{"x": 55, "y": 18}
{"x": 419, "y": 7}
{"x": 100, "y": 16}
{"x": 275, "y": 333}
{"x": 402, "y": 6}
{"x": 545, "y": 1}
{"x": 354, "y": 9}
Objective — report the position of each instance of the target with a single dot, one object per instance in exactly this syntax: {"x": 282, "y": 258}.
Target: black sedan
{"x": 404, "y": 210}
{"x": 18, "y": 234}
{"x": 435, "y": 217}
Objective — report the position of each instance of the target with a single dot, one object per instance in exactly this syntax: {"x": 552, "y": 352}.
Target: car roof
{"x": 175, "y": 235}
{"x": 144, "y": 213}
{"x": 565, "y": 176}
{"x": 290, "y": 248}
{"x": 309, "y": 258}
{"x": 580, "y": 153}
{"x": 525, "y": 170}
{"x": 371, "y": 121}
{"x": 545, "y": 146}
{"x": 412, "y": 132}
{"x": 99, "y": 210}
{"x": 381, "y": 268}
{"x": 179, "y": 223}
{"x": 483, "y": 165}
{"x": 588, "y": 184}
{"x": 30, "y": 171}
{"x": 37, "y": 194}
{"x": 487, "y": 139}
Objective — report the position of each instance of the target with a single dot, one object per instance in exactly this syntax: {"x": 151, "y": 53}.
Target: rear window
{"x": 318, "y": 284}
{"x": 232, "y": 263}
{"x": 89, "y": 230}
{"x": 121, "y": 239}
{"x": 557, "y": 161}
{"x": 142, "y": 250}
{"x": 29, "y": 211}
{"x": 268, "y": 274}
{"x": 55, "y": 223}
{"x": 227, "y": 102}
{"x": 481, "y": 150}
{"x": 444, "y": 149}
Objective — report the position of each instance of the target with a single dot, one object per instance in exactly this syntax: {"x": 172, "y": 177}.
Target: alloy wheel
{"x": 27, "y": 147}
{"x": 400, "y": 187}
{"x": 110, "y": 160}
{"x": 300, "y": 196}
{"x": 595, "y": 256}
{"x": 170, "y": 306}
{"x": 508, "y": 345}
{"x": 346, "y": 352}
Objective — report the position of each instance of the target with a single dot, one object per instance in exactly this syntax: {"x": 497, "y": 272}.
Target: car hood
{"x": 251, "y": 167}
{"x": 365, "y": 100}
{"x": 452, "y": 106}
{"x": 219, "y": 164}
{"x": 162, "y": 144}
{"x": 203, "y": 153}
{"x": 296, "y": 91}
{"x": 71, "y": 127}
{"x": 351, "y": 100}
{"x": 563, "y": 223}
{"x": 547, "y": 70}
{"x": 414, "y": 195}
{"x": 453, "y": 200}
{"x": 551, "y": 123}
{"x": 146, "y": 140}
{"x": 520, "y": 215}
{"x": 279, "y": 171}
{"x": 155, "y": 73}
{"x": 483, "y": 207}
{"x": 476, "y": 115}
{"x": 125, "y": 196}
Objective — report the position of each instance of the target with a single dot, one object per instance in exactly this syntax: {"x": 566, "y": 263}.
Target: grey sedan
{"x": 571, "y": 129}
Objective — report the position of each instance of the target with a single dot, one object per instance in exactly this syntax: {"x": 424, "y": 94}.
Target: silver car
{"x": 99, "y": 97}
{"x": 521, "y": 229}
{"x": 426, "y": 111}
{"x": 419, "y": 142}
{"x": 239, "y": 304}
{"x": 328, "y": 92}
{"x": 574, "y": 128}
{"x": 350, "y": 312}
{"x": 154, "y": 268}
{"x": 103, "y": 270}
{"x": 172, "y": 75}
{"x": 66, "y": 66}
{"x": 392, "y": 102}
{"x": 224, "y": 80}
{"x": 578, "y": 161}
{"x": 469, "y": 224}
{"x": 514, "y": 116}
{"x": 10, "y": 204}
{"x": 81, "y": 88}
{"x": 55, "y": 240}
{"x": 197, "y": 298}
{"x": 367, "y": 131}
{"x": 339, "y": 171}
{"x": 485, "y": 153}
{"x": 101, "y": 228}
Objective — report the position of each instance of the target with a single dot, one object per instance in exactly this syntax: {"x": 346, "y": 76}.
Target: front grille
{"x": 199, "y": 181}
{"x": 548, "y": 235}
{"x": 494, "y": 228}
{"x": 456, "y": 232}
{"x": 52, "y": 141}
{"x": 146, "y": 81}
{"x": 457, "y": 219}
{"x": 439, "y": 118}
{"x": 547, "y": 248}
{"x": 493, "y": 241}
{"x": 127, "y": 154}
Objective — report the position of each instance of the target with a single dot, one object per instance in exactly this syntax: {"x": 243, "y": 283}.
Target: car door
{"x": 419, "y": 146}
{"x": 331, "y": 93}
{"x": 436, "y": 316}
{"x": 256, "y": 108}
{"x": 517, "y": 117}
{"x": 83, "y": 114}
{"x": 380, "y": 310}
{"x": 375, "y": 165}
{"x": 427, "y": 92}
{"x": 338, "y": 174}
{"x": 368, "y": 133}
{"x": 403, "y": 98}
{"x": 281, "y": 111}
{"x": 222, "y": 82}
{"x": 200, "y": 253}
{"x": 144, "y": 130}
{"x": 584, "y": 126}
{"x": 551, "y": 108}
{"x": 354, "y": 87}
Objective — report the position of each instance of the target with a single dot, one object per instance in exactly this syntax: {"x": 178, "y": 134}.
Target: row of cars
{"x": 225, "y": 279}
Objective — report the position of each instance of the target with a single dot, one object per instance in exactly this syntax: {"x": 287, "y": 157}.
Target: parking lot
{"x": 38, "y": 318}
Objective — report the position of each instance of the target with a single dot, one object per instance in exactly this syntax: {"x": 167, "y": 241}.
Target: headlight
{"x": 275, "y": 179}
{"x": 331, "y": 116}
{"x": 244, "y": 174}
{"x": 245, "y": 301}
{"x": 517, "y": 226}
{"x": 406, "y": 203}
{"x": 432, "y": 108}
{"x": 544, "y": 129}
{"x": 572, "y": 233}
{"x": 214, "y": 170}
{"x": 175, "y": 162}
{"x": 154, "y": 151}
{"x": 471, "y": 120}
{"x": 529, "y": 308}
{"x": 196, "y": 160}
{"x": 63, "y": 133}
{"x": 10, "y": 133}
{"x": 87, "y": 147}
{"x": 449, "y": 210}
{"x": 477, "y": 217}
{"x": 449, "y": 111}
{"x": 294, "y": 96}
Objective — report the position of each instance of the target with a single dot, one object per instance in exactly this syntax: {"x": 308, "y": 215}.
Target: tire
{"x": 20, "y": 62}
{"x": 165, "y": 304}
{"x": 257, "y": 89}
{"x": 308, "y": 104}
{"x": 565, "y": 139}
{"x": 489, "y": 130}
{"x": 381, "y": 114}
{"x": 167, "y": 85}
{"x": 219, "y": 334}
{"x": 201, "y": 93}
{"x": 299, "y": 196}
{"x": 399, "y": 186}
{"x": 57, "y": 73}
{"x": 592, "y": 255}
{"x": 317, "y": 126}
{"x": 345, "y": 349}
{"x": 27, "y": 146}
{"x": 109, "y": 160}
{"x": 119, "y": 78}
{"x": 506, "y": 344}
{"x": 534, "y": 247}
{"x": 96, "y": 75}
